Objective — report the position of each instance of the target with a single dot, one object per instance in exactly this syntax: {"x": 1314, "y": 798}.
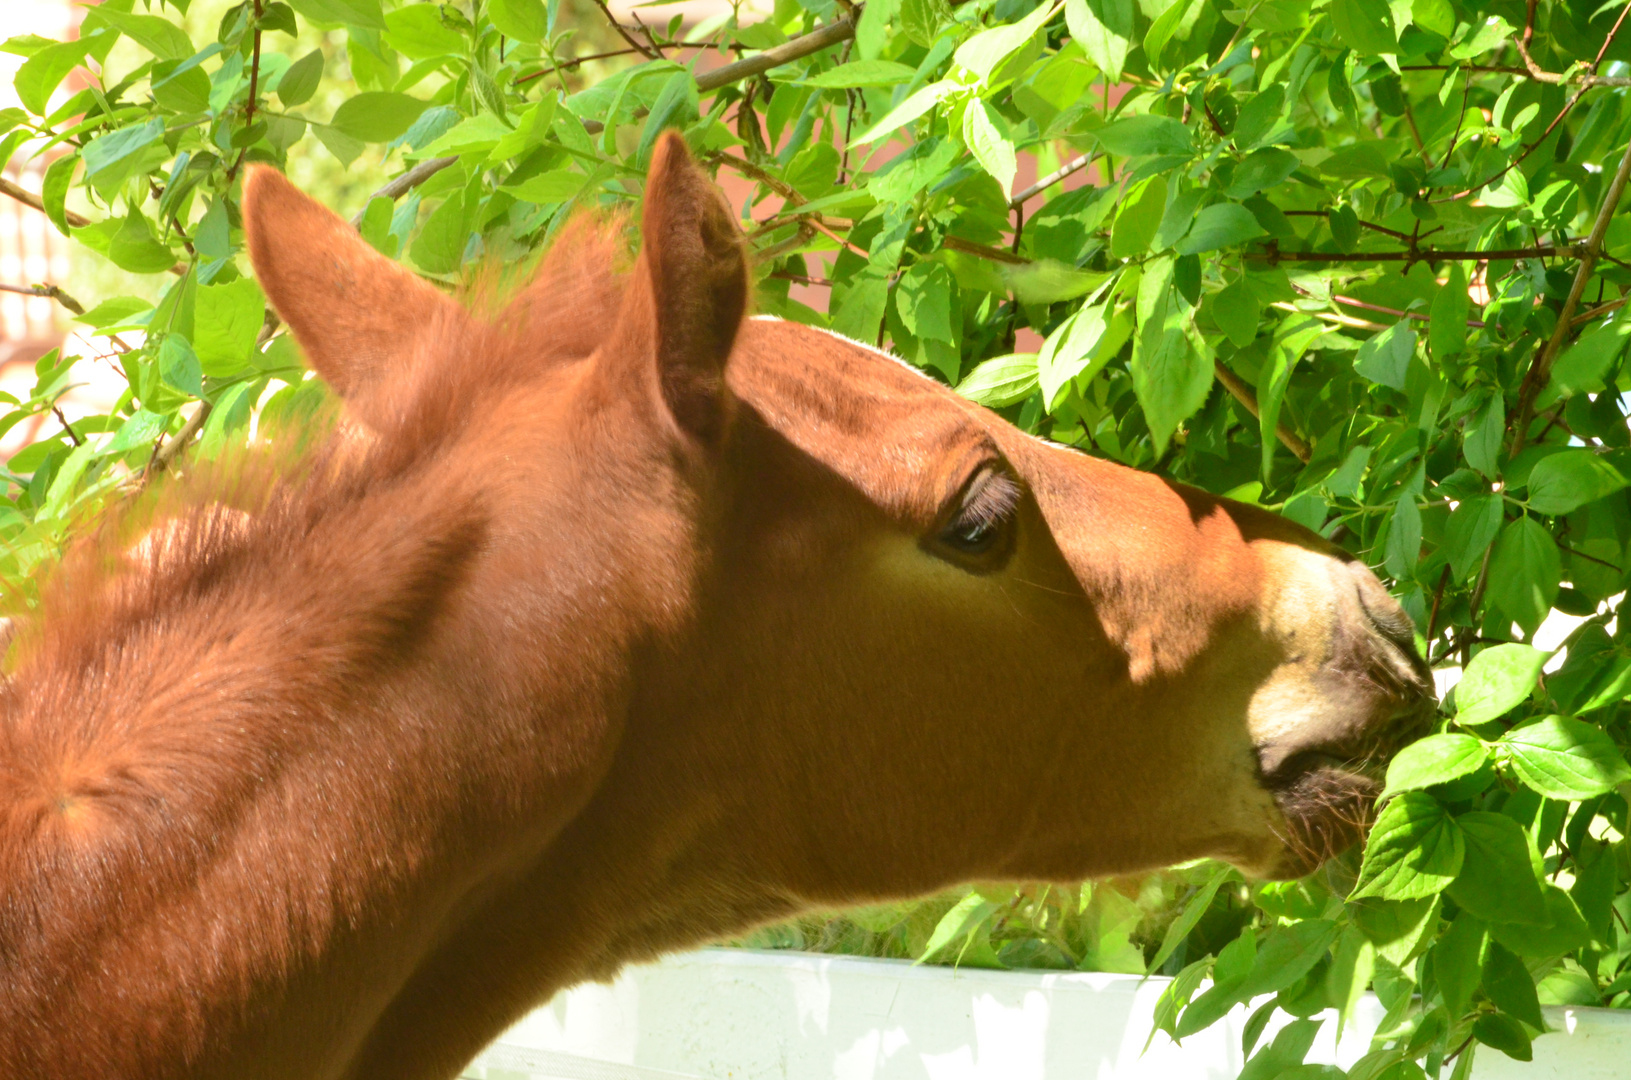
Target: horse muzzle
{"x": 1327, "y": 725}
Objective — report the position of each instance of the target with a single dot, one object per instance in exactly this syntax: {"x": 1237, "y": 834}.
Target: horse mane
{"x": 187, "y": 638}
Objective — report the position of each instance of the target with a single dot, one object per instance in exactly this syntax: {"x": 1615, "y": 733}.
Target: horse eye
{"x": 972, "y": 537}
{"x": 978, "y": 532}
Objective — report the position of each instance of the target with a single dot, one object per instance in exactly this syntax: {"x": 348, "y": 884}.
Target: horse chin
{"x": 1326, "y": 806}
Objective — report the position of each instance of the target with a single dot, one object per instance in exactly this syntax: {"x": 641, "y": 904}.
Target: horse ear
{"x": 692, "y": 286}
{"x": 356, "y": 314}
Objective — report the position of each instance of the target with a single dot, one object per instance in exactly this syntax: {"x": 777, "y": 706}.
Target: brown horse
{"x": 578, "y": 643}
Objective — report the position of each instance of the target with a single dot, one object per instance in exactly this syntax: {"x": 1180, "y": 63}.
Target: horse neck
{"x": 236, "y": 819}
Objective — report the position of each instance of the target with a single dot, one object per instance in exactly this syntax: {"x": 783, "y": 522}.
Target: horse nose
{"x": 1385, "y": 648}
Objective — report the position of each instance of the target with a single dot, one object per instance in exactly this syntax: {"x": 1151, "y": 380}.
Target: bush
{"x": 1354, "y": 261}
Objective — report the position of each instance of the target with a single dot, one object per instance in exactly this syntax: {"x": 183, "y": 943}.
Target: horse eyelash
{"x": 993, "y": 499}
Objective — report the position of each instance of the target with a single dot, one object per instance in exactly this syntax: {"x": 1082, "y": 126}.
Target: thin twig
{"x": 1349, "y": 301}
{"x": 782, "y": 247}
{"x": 28, "y": 198}
{"x": 820, "y": 228}
{"x": 66, "y": 426}
{"x": 568, "y": 65}
{"x": 786, "y": 53}
{"x": 1534, "y": 70}
{"x": 406, "y": 183}
{"x": 1248, "y": 397}
{"x": 254, "y": 87}
{"x": 1538, "y": 75}
{"x": 1438, "y": 598}
{"x": 77, "y": 221}
{"x": 1273, "y": 255}
{"x": 1604, "y": 309}
{"x": 1383, "y": 229}
{"x": 623, "y": 32}
{"x": 164, "y": 455}
{"x": 52, "y": 292}
{"x": 1051, "y": 179}
{"x": 969, "y": 247}
{"x": 1330, "y": 316}
{"x": 1541, "y": 370}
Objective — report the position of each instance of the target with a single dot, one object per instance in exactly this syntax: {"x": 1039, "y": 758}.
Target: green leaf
{"x": 1437, "y": 759}
{"x": 1287, "y": 953}
{"x": 300, "y": 81}
{"x": 1385, "y": 357}
{"x": 1070, "y": 349}
{"x": 1104, "y": 29}
{"x": 982, "y": 53}
{"x": 1458, "y": 961}
{"x": 1497, "y": 679}
{"x": 556, "y": 186}
{"x": 1504, "y": 1034}
{"x": 1194, "y": 909}
{"x": 1414, "y": 850}
{"x": 1262, "y": 170}
{"x": 179, "y": 367}
{"x": 439, "y": 247}
{"x": 128, "y": 243}
{"x": 377, "y": 116}
{"x": 913, "y": 107}
{"x": 1510, "y": 192}
{"x": 420, "y": 32}
{"x": 524, "y": 20}
{"x": 1292, "y": 338}
{"x": 922, "y": 20}
{"x": 108, "y": 150}
{"x": 1447, "y": 334}
{"x": 212, "y": 236}
{"x": 1285, "y": 1054}
{"x": 1365, "y": 26}
{"x": 1435, "y": 15}
{"x": 1236, "y": 311}
{"x": 1140, "y": 136}
{"x": 1481, "y": 440}
{"x": 114, "y": 312}
{"x": 142, "y": 427}
{"x": 1171, "y": 377}
{"x": 1470, "y": 530}
{"x": 676, "y": 106}
{"x": 157, "y": 35}
{"x": 59, "y": 175}
{"x": 338, "y": 143}
{"x": 1138, "y": 218}
{"x": 924, "y": 300}
{"x": 1564, "y": 758}
{"x": 1565, "y": 929}
{"x": 1258, "y": 116}
{"x": 43, "y": 72}
{"x": 960, "y": 922}
{"x": 1002, "y": 380}
{"x": 1570, "y": 479}
{"x": 363, "y": 13}
{"x": 227, "y": 319}
{"x": 1524, "y": 572}
{"x": 1220, "y": 225}
{"x": 992, "y": 149}
{"x": 1585, "y": 365}
{"x": 859, "y": 73}
{"x": 1509, "y": 986}
{"x": 1162, "y": 29}
{"x": 1497, "y": 880}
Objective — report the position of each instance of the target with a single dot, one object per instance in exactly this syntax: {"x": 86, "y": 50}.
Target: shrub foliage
{"x": 1355, "y": 260}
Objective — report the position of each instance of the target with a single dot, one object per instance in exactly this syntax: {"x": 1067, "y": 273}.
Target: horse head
{"x": 614, "y": 620}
